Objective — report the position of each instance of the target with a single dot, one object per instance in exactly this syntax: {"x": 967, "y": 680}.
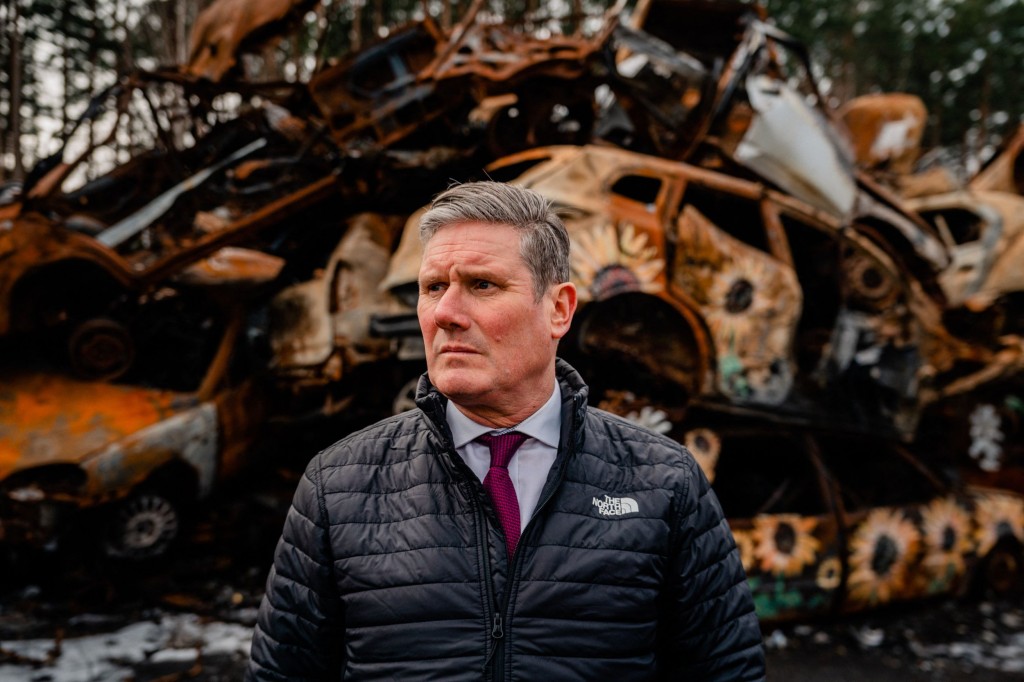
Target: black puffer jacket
{"x": 392, "y": 564}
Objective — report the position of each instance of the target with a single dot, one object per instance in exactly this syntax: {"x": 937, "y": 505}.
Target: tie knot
{"x": 503, "y": 447}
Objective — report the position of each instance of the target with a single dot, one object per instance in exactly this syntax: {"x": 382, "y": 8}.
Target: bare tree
{"x": 15, "y": 75}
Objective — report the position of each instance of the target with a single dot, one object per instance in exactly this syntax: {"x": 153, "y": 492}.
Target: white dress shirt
{"x": 530, "y": 464}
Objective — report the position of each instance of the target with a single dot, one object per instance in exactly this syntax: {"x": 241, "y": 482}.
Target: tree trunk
{"x": 92, "y": 58}
{"x": 16, "y": 71}
{"x": 985, "y": 105}
{"x": 5, "y": 25}
{"x": 65, "y": 68}
{"x": 356, "y": 32}
{"x": 378, "y": 18}
{"x": 180, "y": 33}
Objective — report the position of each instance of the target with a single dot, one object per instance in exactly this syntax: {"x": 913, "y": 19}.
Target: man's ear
{"x": 563, "y": 298}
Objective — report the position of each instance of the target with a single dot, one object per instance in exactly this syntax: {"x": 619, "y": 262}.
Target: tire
{"x": 1003, "y": 570}
{"x": 101, "y": 349}
{"x": 144, "y": 526}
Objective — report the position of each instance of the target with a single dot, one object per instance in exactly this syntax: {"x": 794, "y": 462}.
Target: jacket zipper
{"x": 497, "y": 621}
{"x": 497, "y": 629}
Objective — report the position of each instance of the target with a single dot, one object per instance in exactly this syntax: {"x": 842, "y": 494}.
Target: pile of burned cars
{"x": 752, "y": 283}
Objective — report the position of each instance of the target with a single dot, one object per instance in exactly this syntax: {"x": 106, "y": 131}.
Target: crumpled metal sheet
{"x": 886, "y": 129}
{"x": 232, "y": 267}
{"x": 984, "y": 231}
{"x": 1005, "y": 172}
{"x": 226, "y": 26}
{"x": 313, "y": 320}
{"x": 786, "y": 143}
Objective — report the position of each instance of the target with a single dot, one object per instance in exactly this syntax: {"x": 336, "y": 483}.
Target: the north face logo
{"x": 616, "y": 506}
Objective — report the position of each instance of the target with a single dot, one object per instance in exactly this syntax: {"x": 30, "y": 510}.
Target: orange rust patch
{"x": 48, "y": 418}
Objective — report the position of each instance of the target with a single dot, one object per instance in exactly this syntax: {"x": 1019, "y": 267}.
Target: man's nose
{"x": 449, "y": 311}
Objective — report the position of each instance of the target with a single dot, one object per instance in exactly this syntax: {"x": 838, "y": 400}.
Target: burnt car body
{"x": 700, "y": 289}
{"x": 72, "y": 253}
{"x": 1004, "y": 172}
{"x": 827, "y": 527}
{"x": 984, "y": 234}
{"x": 130, "y": 460}
{"x": 984, "y": 286}
{"x": 732, "y": 261}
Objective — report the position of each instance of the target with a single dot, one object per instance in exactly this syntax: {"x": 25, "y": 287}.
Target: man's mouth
{"x": 457, "y": 348}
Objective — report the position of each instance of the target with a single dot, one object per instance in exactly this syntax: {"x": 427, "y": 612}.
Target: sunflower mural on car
{"x": 882, "y": 547}
{"x": 751, "y": 303}
{"x": 745, "y": 544}
{"x": 998, "y": 516}
{"x": 782, "y": 555}
{"x": 946, "y": 530}
{"x": 829, "y": 574}
{"x": 784, "y": 543}
{"x": 609, "y": 259}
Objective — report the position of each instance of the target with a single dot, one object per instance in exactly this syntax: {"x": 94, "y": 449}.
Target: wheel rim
{"x": 145, "y": 526}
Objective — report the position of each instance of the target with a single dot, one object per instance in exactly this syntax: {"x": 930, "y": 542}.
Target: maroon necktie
{"x": 498, "y": 484}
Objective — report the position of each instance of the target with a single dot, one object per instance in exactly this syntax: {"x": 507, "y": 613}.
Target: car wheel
{"x": 1004, "y": 569}
{"x": 405, "y": 399}
{"x": 101, "y": 349}
{"x": 142, "y": 527}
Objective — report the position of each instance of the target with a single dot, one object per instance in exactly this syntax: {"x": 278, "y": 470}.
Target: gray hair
{"x": 543, "y": 242}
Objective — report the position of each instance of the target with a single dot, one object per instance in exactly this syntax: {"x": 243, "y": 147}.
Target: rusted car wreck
{"x": 259, "y": 260}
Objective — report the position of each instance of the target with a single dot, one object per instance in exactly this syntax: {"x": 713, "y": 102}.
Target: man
{"x": 438, "y": 545}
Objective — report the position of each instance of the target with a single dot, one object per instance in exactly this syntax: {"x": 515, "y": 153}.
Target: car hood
{"x": 50, "y": 419}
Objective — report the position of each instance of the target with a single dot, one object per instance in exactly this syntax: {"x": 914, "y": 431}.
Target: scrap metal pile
{"x": 748, "y": 261}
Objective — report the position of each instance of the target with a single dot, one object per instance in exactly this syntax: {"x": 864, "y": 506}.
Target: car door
{"x": 750, "y": 300}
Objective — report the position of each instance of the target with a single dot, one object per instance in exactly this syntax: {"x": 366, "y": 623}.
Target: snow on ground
{"x": 113, "y": 656}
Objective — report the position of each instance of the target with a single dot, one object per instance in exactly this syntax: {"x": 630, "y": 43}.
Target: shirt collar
{"x": 545, "y": 424}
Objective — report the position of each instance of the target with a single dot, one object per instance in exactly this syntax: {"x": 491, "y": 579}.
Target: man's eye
{"x": 484, "y": 284}
{"x": 433, "y": 287}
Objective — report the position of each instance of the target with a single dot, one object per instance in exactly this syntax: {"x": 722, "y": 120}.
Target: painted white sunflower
{"x": 607, "y": 261}
{"x": 784, "y": 544}
{"x": 882, "y": 547}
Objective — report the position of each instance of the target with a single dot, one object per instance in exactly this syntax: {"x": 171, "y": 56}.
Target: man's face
{"x": 490, "y": 343}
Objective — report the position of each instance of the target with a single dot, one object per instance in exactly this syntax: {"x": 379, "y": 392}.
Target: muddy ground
{"x": 75, "y": 617}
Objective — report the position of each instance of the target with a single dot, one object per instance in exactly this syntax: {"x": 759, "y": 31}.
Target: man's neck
{"x": 496, "y": 419}
{"x": 543, "y": 425}
{"x": 499, "y": 418}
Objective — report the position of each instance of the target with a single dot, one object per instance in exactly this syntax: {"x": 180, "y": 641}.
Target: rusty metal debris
{"x": 1005, "y": 171}
{"x": 742, "y": 252}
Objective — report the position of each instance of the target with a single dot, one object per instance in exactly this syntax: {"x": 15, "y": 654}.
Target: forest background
{"x": 964, "y": 58}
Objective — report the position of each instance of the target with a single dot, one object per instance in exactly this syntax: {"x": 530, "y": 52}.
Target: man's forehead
{"x": 462, "y": 225}
{"x": 476, "y": 241}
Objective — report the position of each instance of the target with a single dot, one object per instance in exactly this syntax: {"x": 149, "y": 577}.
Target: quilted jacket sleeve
{"x": 299, "y": 634}
{"x": 708, "y": 629}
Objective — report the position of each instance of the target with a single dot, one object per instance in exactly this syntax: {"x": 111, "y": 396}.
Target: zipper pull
{"x": 496, "y": 631}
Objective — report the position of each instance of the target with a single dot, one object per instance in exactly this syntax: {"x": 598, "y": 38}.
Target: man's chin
{"x": 459, "y": 386}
